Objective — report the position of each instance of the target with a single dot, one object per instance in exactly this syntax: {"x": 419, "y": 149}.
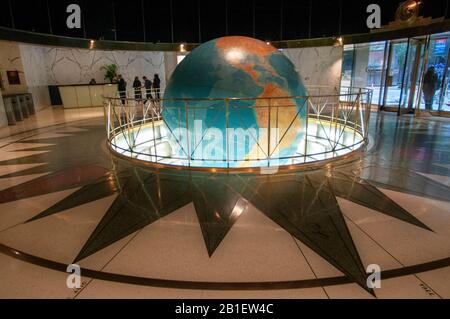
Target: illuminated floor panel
{"x": 324, "y": 141}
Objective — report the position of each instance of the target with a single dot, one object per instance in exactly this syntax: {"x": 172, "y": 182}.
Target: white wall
{"x": 170, "y": 61}
{"x": 78, "y": 66}
{"x": 318, "y": 65}
{"x": 52, "y": 65}
{"x": 34, "y": 65}
{"x": 41, "y": 66}
{"x": 3, "y": 118}
{"x": 45, "y": 66}
{"x": 10, "y": 60}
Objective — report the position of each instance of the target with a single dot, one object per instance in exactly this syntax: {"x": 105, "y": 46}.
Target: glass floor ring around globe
{"x": 151, "y": 142}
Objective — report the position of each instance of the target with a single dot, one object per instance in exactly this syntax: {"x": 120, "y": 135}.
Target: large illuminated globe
{"x": 241, "y": 84}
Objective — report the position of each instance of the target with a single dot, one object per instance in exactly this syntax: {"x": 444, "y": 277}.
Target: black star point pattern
{"x": 304, "y": 203}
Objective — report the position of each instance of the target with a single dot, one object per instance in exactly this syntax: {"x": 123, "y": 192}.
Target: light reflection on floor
{"x": 66, "y": 198}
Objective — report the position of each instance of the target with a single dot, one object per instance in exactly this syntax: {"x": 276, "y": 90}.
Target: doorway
{"x": 438, "y": 49}
{"x": 403, "y": 67}
{"x": 395, "y": 71}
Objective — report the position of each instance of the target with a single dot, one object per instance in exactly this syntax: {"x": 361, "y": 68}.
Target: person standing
{"x": 122, "y": 88}
{"x": 430, "y": 83}
{"x": 157, "y": 86}
{"x": 137, "y": 85}
{"x": 148, "y": 88}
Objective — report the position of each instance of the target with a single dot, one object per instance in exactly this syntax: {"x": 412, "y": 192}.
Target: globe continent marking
{"x": 260, "y": 83}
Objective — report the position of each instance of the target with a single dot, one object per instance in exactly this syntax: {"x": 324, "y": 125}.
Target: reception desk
{"x": 80, "y": 95}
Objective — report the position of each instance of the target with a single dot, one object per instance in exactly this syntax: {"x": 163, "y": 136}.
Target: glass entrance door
{"x": 394, "y": 75}
{"x": 445, "y": 104}
{"x": 402, "y": 75}
{"x": 411, "y": 81}
{"x": 435, "y": 91}
{"x": 396, "y": 71}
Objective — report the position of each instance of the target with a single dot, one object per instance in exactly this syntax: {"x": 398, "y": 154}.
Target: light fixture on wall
{"x": 91, "y": 44}
{"x": 182, "y": 48}
{"x": 339, "y": 41}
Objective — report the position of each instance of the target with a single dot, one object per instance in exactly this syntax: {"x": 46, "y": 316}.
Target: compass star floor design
{"x": 141, "y": 232}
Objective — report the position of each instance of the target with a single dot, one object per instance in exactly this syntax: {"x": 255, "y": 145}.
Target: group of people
{"x": 149, "y": 86}
{"x": 430, "y": 84}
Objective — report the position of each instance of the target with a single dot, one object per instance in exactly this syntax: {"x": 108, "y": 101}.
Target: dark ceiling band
{"x": 53, "y": 40}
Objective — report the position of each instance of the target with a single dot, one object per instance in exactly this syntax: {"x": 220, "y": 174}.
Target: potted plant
{"x": 110, "y": 72}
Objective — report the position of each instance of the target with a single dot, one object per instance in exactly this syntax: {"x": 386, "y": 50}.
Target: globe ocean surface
{"x": 238, "y": 83}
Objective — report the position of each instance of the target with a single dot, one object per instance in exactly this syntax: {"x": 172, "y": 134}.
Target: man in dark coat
{"x": 157, "y": 86}
{"x": 430, "y": 83}
{"x": 148, "y": 88}
{"x": 137, "y": 85}
{"x": 122, "y": 88}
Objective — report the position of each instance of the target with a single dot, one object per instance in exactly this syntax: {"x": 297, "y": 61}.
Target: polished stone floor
{"x": 137, "y": 231}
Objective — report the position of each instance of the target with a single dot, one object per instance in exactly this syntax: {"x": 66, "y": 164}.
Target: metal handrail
{"x": 361, "y": 91}
{"x": 342, "y": 113}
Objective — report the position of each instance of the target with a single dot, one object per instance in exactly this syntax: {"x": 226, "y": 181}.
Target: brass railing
{"x": 333, "y": 124}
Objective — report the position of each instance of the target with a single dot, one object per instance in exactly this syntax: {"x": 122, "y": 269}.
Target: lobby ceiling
{"x": 196, "y": 21}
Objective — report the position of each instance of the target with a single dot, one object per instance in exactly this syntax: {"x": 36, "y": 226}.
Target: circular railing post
{"x": 306, "y": 130}
{"x": 268, "y": 135}
{"x": 129, "y": 127}
{"x": 108, "y": 119}
{"x": 226, "y": 131}
{"x": 187, "y": 132}
{"x": 367, "y": 115}
{"x": 143, "y": 120}
{"x": 154, "y": 138}
{"x": 123, "y": 122}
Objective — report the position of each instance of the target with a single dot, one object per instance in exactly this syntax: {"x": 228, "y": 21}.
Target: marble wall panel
{"x": 62, "y": 66}
{"x": 318, "y": 66}
{"x": 10, "y": 60}
{"x": 3, "y": 118}
{"x": 45, "y": 66}
{"x": 41, "y": 66}
{"x": 34, "y": 60}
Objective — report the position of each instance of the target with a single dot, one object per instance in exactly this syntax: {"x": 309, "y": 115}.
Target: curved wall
{"x": 41, "y": 66}
{"x": 62, "y": 66}
{"x": 10, "y": 60}
{"x": 318, "y": 65}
